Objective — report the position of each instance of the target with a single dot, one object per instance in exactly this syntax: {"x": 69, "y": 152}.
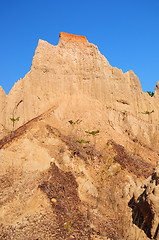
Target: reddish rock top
{"x": 75, "y": 69}
{"x": 72, "y": 38}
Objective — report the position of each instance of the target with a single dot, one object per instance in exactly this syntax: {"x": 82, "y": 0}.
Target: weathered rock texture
{"x": 79, "y": 141}
{"x": 145, "y": 205}
{"x": 75, "y": 70}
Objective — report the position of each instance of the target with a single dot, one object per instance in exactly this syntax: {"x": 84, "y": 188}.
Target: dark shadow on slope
{"x": 145, "y": 207}
{"x": 156, "y": 233}
{"x": 142, "y": 214}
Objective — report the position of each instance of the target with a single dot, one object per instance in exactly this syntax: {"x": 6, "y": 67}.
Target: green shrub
{"x": 147, "y": 112}
{"x": 82, "y": 141}
{"x": 92, "y": 132}
{"x": 14, "y": 120}
{"x": 78, "y": 121}
{"x": 150, "y": 93}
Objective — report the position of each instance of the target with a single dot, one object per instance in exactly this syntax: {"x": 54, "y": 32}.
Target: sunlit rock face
{"x": 144, "y": 204}
{"x": 79, "y": 143}
{"x": 76, "y": 73}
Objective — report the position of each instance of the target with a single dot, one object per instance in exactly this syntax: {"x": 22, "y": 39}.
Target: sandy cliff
{"x": 77, "y": 161}
{"x": 76, "y": 69}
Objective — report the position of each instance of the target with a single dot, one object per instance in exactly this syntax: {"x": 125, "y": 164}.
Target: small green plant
{"x": 78, "y": 121}
{"x": 71, "y": 122}
{"x": 147, "y": 112}
{"x": 107, "y": 144}
{"x": 14, "y": 120}
{"x": 92, "y": 132}
{"x": 150, "y": 93}
{"x": 82, "y": 141}
{"x": 67, "y": 226}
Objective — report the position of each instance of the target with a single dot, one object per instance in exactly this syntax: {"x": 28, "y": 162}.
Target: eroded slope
{"x": 75, "y": 73}
{"x": 69, "y": 180}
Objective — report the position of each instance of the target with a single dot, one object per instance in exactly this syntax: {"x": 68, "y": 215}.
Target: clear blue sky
{"x": 125, "y": 31}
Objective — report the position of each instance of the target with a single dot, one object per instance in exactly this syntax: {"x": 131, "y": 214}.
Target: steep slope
{"x": 56, "y": 186}
{"x": 79, "y": 143}
{"x": 75, "y": 70}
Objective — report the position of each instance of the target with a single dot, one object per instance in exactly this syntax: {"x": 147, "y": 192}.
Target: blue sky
{"x": 126, "y": 33}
